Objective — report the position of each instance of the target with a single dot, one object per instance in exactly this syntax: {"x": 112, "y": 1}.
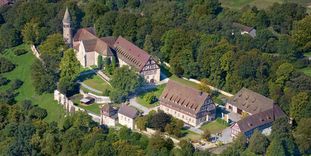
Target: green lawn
{"x": 190, "y": 135}
{"x": 214, "y": 127}
{"x": 157, "y": 92}
{"x": 306, "y": 70}
{"x": 238, "y": 4}
{"x": 185, "y": 82}
{"x": 97, "y": 83}
{"x": 27, "y": 91}
{"x": 307, "y": 54}
{"x": 95, "y": 108}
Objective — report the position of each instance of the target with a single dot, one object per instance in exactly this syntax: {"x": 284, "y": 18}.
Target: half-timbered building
{"x": 190, "y": 105}
{"x": 136, "y": 58}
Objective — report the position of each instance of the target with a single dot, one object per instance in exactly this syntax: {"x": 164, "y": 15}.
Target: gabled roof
{"x": 96, "y": 45}
{"x": 183, "y": 98}
{"x": 251, "y": 101}
{"x": 131, "y": 54}
{"x": 128, "y": 111}
{"x": 66, "y": 18}
{"x": 243, "y": 27}
{"x": 259, "y": 119}
{"x": 85, "y": 34}
{"x": 110, "y": 40}
{"x": 108, "y": 110}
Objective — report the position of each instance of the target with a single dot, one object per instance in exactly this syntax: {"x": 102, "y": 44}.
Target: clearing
{"x": 27, "y": 91}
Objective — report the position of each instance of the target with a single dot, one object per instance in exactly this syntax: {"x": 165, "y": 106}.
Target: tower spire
{"x": 66, "y": 18}
{"x": 67, "y": 33}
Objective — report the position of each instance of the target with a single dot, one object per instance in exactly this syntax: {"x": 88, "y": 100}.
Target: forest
{"x": 196, "y": 37}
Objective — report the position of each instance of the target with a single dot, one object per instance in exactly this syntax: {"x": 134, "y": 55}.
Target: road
{"x": 90, "y": 88}
{"x": 139, "y": 106}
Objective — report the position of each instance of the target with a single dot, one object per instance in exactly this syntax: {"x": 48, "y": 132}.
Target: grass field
{"x": 307, "y": 54}
{"x": 238, "y": 4}
{"x": 214, "y": 127}
{"x": 306, "y": 70}
{"x": 97, "y": 83}
{"x": 27, "y": 91}
{"x": 157, "y": 92}
{"x": 190, "y": 135}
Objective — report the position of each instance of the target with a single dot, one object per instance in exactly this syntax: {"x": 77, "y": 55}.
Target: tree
{"x": 284, "y": 72}
{"x": 100, "y": 62}
{"x": 141, "y": 123}
{"x": 93, "y": 10}
{"x": 160, "y": 120}
{"x": 302, "y": 135}
{"x": 258, "y": 143}
{"x": 43, "y": 80}
{"x": 38, "y": 113}
{"x": 6, "y": 65}
{"x": 300, "y": 106}
{"x": 302, "y": 33}
{"x": 104, "y": 24}
{"x": 186, "y": 147}
{"x": 283, "y": 15}
{"x": 150, "y": 97}
{"x": 70, "y": 69}
{"x": 203, "y": 86}
{"x": 124, "y": 81}
{"x": 206, "y": 134}
{"x": 125, "y": 26}
{"x": 53, "y": 45}
{"x": 275, "y": 148}
{"x": 9, "y": 36}
{"x": 33, "y": 32}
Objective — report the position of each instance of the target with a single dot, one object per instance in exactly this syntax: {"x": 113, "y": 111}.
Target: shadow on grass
{"x": 84, "y": 77}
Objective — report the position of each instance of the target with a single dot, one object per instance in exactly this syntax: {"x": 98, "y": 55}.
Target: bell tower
{"x": 67, "y": 32}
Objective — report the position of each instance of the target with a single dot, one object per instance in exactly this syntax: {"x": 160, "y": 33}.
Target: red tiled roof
{"x": 243, "y": 27}
{"x": 85, "y": 34}
{"x": 251, "y": 101}
{"x": 97, "y": 45}
{"x": 128, "y": 111}
{"x": 110, "y": 40}
{"x": 183, "y": 98}
{"x": 259, "y": 119}
{"x": 108, "y": 110}
{"x": 131, "y": 54}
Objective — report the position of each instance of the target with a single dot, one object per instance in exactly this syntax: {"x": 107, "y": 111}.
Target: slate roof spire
{"x": 66, "y": 18}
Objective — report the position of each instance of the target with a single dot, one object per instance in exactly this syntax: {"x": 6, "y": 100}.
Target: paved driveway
{"x": 139, "y": 106}
{"x": 226, "y": 136}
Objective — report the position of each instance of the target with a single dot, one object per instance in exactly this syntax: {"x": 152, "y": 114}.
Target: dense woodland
{"x": 195, "y": 37}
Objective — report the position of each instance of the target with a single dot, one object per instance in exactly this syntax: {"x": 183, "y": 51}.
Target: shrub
{"x": 6, "y": 65}
{"x": 106, "y": 92}
{"x": 150, "y": 98}
{"x": 38, "y": 113}
{"x": 221, "y": 121}
{"x": 16, "y": 84}
{"x": 19, "y": 52}
{"x": 3, "y": 81}
{"x": 7, "y": 97}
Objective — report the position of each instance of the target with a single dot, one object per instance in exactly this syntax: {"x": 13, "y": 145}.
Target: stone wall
{"x": 69, "y": 106}
{"x": 35, "y": 52}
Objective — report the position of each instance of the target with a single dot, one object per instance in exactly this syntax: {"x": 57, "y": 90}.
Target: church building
{"x": 89, "y": 47}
